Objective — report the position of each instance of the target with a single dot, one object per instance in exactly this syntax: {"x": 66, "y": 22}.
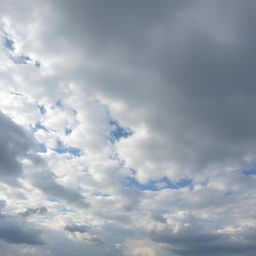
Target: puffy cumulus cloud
{"x": 21, "y": 108}
{"x": 136, "y": 118}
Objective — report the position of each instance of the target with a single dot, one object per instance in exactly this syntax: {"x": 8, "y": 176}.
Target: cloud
{"x": 168, "y": 102}
{"x": 142, "y": 247}
{"x": 15, "y": 144}
{"x": 143, "y": 114}
{"x": 40, "y": 210}
{"x": 83, "y": 233}
{"x": 45, "y": 181}
{"x": 12, "y": 231}
{"x": 192, "y": 242}
{"x": 2, "y": 204}
{"x": 158, "y": 217}
{"x": 76, "y": 228}
{"x": 186, "y": 76}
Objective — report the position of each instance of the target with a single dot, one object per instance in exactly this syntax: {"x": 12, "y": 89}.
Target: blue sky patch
{"x": 156, "y": 185}
{"x": 119, "y": 131}
{"x": 21, "y": 59}
{"x": 68, "y": 131}
{"x": 39, "y": 126}
{"x": 42, "y": 148}
{"x": 9, "y": 44}
{"x": 229, "y": 193}
{"x": 249, "y": 172}
{"x": 52, "y": 199}
{"x": 42, "y": 109}
{"x": 64, "y": 210}
{"x": 100, "y": 194}
{"x": 161, "y": 211}
{"x": 62, "y": 149}
{"x": 37, "y": 64}
{"x": 59, "y": 103}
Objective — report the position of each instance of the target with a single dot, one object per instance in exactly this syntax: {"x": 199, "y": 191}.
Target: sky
{"x": 127, "y": 128}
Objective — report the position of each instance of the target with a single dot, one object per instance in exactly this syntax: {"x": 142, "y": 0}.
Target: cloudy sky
{"x": 127, "y": 128}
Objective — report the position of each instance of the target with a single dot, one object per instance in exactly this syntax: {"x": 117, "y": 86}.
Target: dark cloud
{"x": 40, "y": 210}
{"x": 183, "y": 74}
{"x": 114, "y": 25}
{"x": 12, "y": 231}
{"x": 14, "y": 144}
{"x": 197, "y": 242}
{"x": 185, "y": 70}
{"x": 158, "y": 217}
{"x": 77, "y": 228}
{"x": 190, "y": 81}
{"x": 45, "y": 181}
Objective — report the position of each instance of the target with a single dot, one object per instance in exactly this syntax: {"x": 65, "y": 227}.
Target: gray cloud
{"x": 17, "y": 231}
{"x": 158, "y": 217}
{"x": 12, "y": 231}
{"x": 2, "y": 204}
{"x": 77, "y": 228}
{"x": 201, "y": 101}
{"x": 193, "y": 242}
{"x": 84, "y": 229}
{"x": 180, "y": 74}
{"x": 14, "y": 144}
{"x": 45, "y": 181}
{"x": 29, "y": 211}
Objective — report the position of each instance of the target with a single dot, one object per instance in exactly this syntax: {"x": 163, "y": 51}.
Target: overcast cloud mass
{"x": 127, "y": 128}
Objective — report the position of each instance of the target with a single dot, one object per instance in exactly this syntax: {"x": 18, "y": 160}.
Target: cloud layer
{"x": 127, "y": 128}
